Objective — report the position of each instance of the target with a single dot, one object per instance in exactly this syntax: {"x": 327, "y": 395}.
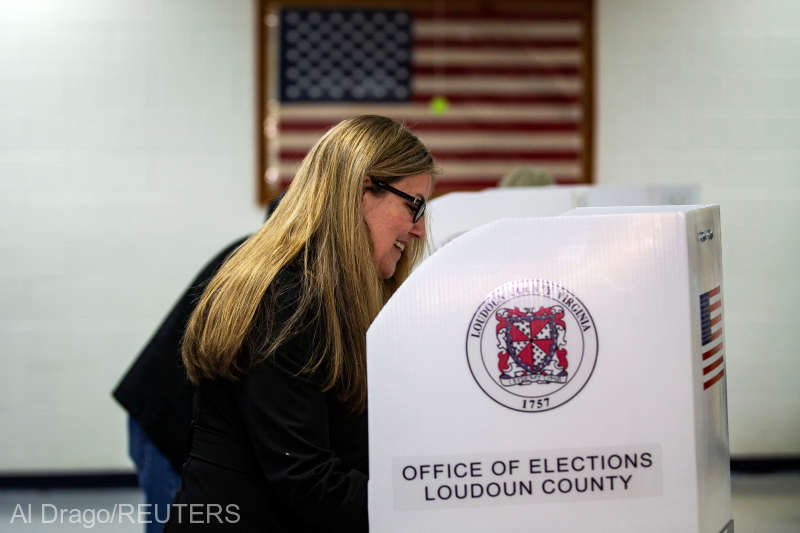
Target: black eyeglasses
{"x": 416, "y": 204}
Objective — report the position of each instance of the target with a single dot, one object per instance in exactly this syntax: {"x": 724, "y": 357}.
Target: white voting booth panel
{"x": 636, "y": 195}
{"x": 452, "y": 214}
{"x": 558, "y": 373}
{"x": 455, "y": 213}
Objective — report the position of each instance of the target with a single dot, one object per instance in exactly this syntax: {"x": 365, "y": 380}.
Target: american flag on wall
{"x": 486, "y": 91}
{"x": 711, "y": 337}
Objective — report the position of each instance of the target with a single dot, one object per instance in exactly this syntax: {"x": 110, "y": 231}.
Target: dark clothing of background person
{"x": 155, "y": 391}
{"x": 272, "y": 447}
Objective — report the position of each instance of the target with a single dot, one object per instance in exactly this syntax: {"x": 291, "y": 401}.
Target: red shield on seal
{"x": 533, "y": 341}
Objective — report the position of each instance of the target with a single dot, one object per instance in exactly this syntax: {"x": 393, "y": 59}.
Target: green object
{"x": 439, "y": 105}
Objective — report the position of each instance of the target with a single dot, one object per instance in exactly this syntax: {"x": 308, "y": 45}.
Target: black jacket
{"x": 274, "y": 448}
{"x": 155, "y": 390}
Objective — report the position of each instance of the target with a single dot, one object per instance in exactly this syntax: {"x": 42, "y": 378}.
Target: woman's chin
{"x": 387, "y": 270}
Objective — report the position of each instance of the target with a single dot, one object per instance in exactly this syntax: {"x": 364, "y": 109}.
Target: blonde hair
{"x": 318, "y": 223}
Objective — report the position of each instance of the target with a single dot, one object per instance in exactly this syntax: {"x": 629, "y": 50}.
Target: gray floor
{"x": 766, "y": 503}
{"x": 762, "y": 503}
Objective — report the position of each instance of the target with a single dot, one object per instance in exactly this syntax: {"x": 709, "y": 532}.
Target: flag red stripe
{"x": 712, "y": 351}
{"x": 713, "y": 365}
{"x": 476, "y": 155}
{"x": 715, "y": 320}
{"x": 456, "y": 182}
{"x": 716, "y": 334}
{"x": 511, "y": 72}
{"x": 493, "y": 127}
{"x": 472, "y": 156}
{"x": 447, "y": 125}
{"x": 713, "y": 380}
{"x": 493, "y": 98}
{"x": 713, "y": 292}
{"x": 527, "y": 155}
{"x": 716, "y": 305}
{"x": 442, "y": 184}
{"x": 446, "y": 184}
{"x": 484, "y": 15}
{"x": 567, "y": 180}
{"x": 491, "y": 44}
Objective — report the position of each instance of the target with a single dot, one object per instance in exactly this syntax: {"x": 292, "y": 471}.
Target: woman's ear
{"x": 365, "y": 188}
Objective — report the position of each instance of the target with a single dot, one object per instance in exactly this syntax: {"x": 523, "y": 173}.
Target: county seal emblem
{"x": 544, "y": 347}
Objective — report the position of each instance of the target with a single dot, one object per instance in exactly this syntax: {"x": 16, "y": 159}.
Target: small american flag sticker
{"x": 711, "y": 337}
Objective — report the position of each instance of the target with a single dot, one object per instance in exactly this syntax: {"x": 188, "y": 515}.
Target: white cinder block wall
{"x": 708, "y": 91}
{"x": 127, "y": 159}
{"x": 127, "y": 149}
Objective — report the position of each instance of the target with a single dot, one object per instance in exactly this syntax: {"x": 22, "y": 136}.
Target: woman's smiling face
{"x": 390, "y": 221}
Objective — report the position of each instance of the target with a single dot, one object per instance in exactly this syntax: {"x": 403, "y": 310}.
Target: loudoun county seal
{"x": 531, "y": 345}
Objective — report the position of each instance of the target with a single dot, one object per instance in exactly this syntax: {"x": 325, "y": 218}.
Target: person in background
{"x": 526, "y": 177}
{"x": 277, "y": 342}
{"x": 157, "y": 395}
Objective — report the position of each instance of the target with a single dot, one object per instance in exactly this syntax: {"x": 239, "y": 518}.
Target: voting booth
{"x": 561, "y": 373}
{"x": 455, "y": 213}
{"x": 452, "y": 214}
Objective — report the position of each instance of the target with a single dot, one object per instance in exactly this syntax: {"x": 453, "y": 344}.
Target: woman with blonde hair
{"x": 277, "y": 341}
